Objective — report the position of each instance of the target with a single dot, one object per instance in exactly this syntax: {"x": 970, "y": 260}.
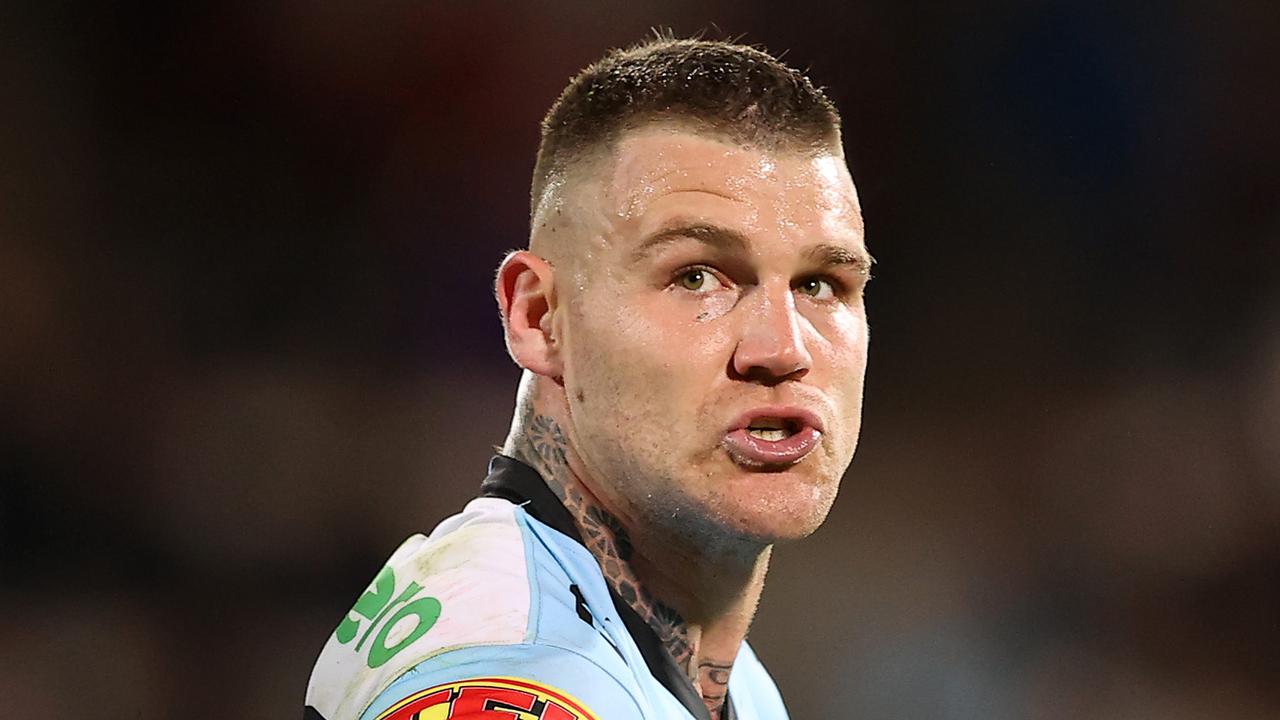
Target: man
{"x": 690, "y": 320}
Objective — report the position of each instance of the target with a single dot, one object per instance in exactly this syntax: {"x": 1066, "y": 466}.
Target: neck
{"x": 700, "y": 605}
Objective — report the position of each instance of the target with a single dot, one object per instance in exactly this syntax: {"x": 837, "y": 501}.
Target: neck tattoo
{"x": 542, "y": 445}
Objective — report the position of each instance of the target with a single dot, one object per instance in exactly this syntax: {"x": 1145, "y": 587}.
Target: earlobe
{"x": 525, "y": 288}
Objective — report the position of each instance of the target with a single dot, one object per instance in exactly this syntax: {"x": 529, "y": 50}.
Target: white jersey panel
{"x": 465, "y": 585}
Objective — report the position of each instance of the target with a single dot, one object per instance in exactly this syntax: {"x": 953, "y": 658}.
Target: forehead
{"x": 656, "y": 172}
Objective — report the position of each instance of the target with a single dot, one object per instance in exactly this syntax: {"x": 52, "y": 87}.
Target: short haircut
{"x": 722, "y": 89}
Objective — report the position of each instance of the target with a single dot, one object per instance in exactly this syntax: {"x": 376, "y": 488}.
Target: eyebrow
{"x": 726, "y": 239}
{"x": 827, "y": 255}
{"x": 721, "y": 238}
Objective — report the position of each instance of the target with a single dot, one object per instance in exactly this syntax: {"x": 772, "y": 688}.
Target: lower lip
{"x": 751, "y": 451}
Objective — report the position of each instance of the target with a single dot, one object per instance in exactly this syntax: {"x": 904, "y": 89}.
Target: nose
{"x": 771, "y": 347}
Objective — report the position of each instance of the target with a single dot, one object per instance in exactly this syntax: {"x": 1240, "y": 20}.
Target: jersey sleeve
{"x": 475, "y": 618}
{"x": 506, "y": 682}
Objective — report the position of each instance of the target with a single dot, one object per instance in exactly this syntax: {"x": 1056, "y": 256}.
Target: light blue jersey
{"x": 497, "y": 614}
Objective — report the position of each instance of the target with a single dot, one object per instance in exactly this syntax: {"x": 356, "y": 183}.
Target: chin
{"x": 772, "y": 507}
{"x": 777, "y": 528}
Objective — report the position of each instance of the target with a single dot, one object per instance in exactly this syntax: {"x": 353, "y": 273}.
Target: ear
{"x": 526, "y": 295}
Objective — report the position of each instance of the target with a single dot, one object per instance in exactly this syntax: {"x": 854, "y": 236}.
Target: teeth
{"x": 772, "y": 435}
{"x": 767, "y": 423}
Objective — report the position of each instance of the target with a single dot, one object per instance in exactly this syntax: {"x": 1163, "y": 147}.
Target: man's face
{"x": 715, "y": 338}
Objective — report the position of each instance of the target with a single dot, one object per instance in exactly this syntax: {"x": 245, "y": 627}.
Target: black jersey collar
{"x": 515, "y": 481}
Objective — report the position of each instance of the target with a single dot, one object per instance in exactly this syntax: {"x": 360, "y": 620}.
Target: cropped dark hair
{"x": 720, "y": 88}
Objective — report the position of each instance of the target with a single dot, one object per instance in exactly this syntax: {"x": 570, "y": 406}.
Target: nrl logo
{"x": 497, "y": 698}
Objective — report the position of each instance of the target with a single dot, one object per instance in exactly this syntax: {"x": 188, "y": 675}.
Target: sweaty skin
{"x": 677, "y": 285}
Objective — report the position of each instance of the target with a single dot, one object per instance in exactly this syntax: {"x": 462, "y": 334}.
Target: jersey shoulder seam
{"x": 534, "y": 583}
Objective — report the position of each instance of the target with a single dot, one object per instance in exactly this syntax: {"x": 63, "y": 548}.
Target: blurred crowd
{"x": 248, "y": 344}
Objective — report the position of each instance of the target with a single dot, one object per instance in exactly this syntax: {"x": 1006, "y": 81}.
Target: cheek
{"x": 846, "y": 353}
{"x": 713, "y": 307}
{"x": 847, "y": 333}
{"x": 641, "y": 360}
{"x": 618, "y": 356}
{"x": 676, "y": 337}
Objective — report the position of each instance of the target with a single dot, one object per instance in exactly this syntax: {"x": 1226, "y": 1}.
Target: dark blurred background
{"x": 247, "y": 342}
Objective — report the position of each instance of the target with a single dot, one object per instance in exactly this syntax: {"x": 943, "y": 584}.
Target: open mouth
{"x": 772, "y": 429}
{"x": 773, "y": 437}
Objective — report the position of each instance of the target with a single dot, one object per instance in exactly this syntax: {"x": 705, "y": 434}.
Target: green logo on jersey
{"x": 375, "y": 605}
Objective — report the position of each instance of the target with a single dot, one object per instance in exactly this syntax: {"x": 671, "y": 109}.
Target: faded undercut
{"x": 722, "y": 89}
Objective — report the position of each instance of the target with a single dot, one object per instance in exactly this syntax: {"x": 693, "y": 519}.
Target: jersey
{"x": 501, "y": 613}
